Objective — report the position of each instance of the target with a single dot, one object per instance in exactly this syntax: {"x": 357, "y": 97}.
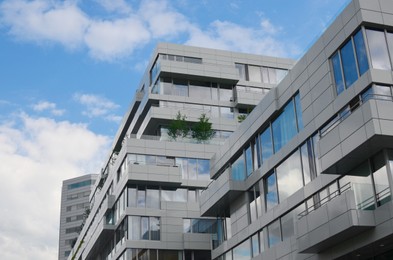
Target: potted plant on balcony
{"x": 202, "y": 131}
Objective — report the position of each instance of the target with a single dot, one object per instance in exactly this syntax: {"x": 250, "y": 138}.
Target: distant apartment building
{"x": 74, "y": 202}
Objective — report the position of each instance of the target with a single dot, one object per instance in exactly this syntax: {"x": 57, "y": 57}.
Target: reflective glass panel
{"x": 145, "y": 228}
{"x": 238, "y": 169}
{"x": 242, "y": 70}
{"x": 242, "y": 251}
{"x": 349, "y": 64}
{"x": 378, "y": 49}
{"x": 266, "y": 144}
{"x": 381, "y": 181}
{"x": 272, "y": 76}
{"x": 299, "y": 116}
{"x": 132, "y": 197}
{"x": 361, "y": 53}
{"x": 154, "y": 228}
{"x": 200, "y": 89}
{"x": 192, "y": 169}
{"x": 203, "y": 169}
{"x": 271, "y": 191}
{"x": 338, "y": 78}
{"x": 305, "y": 163}
{"x": 153, "y": 198}
{"x": 254, "y": 73}
{"x": 289, "y": 176}
{"x": 284, "y": 126}
{"x": 255, "y": 245}
{"x": 274, "y": 233}
{"x": 249, "y": 164}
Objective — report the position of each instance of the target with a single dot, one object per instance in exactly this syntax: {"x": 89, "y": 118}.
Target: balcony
{"x": 336, "y": 219}
{"x": 246, "y": 96}
{"x": 219, "y": 194}
{"x": 197, "y": 241}
{"x": 351, "y": 140}
{"x": 155, "y": 174}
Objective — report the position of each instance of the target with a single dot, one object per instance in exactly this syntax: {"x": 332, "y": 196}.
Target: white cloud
{"x": 96, "y": 106}
{"x": 119, "y": 6}
{"x": 127, "y": 29}
{"x": 42, "y": 20}
{"x": 109, "y": 40}
{"x": 51, "y": 107}
{"x": 36, "y": 157}
{"x": 230, "y": 36}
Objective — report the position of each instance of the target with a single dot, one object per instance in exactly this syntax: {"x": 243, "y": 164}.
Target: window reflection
{"x": 378, "y": 49}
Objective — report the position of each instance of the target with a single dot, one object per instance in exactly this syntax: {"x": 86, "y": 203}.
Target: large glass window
{"x": 361, "y": 53}
{"x": 249, "y": 163}
{"x": 255, "y": 245}
{"x": 299, "y": 117}
{"x": 337, "y": 73}
{"x": 239, "y": 169}
{"x": 254, "y": 73}
{"x": 284, "y": 127}
{"x": 378, "y": 49}
{"x": 200, "y": 89}
{"x": 242, "y": 70}
{"x": 349, "y": 64}
{"x": 381, "y": 181}
{"x": 274, "y": 233}
{"x": 289, "y": 176}
{"x": 242, "y": 251}
{"x": 266, "y": 144}
{"x": 271, "y": 191}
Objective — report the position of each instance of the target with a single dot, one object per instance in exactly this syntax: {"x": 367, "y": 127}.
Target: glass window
{"x": 288, "y": 225}
{"x": 389, "y": 38}
{"x": 154, "y": 228}
{"x": 226, "y": 112}
{"x": 249, "y": 164}
{"x": 200, "y": 89}
{"x": 186, "y": 225}
{"x": 145, "y": 228}
{"x": 280, "y": 74}
{"x": 180, "y": 88}
{"x": 254, "y": 73}
{"x": 305, "y": 163}
{"x": 381, "y": 181}
{"x": 183, "y": 164}
{"x": 299, "y": 116}
{"x": 349, "y": 64}
{"x": 153, "y": 198}
{"x": 226, "y": 92}
{"x": 255, "y": 245}
{"x": 192, "y": 169}
{"x": 266, "y": 144}
{"x": 274, "y": 233}
{"x": 338, "y": 78}
{"x": 271, "y": 191}
{"x": 361, "y": 53}
{"x": 242, "y": 251}
{"x": 272, "y": 76}
{"x": 203, "y": 169}
{"x": 289, "y": 176}
{"x": 381, "y": 92}
{"x": 378, "y": 49}
{"x": 238, "y": 169}
{"x": 242, "y": 70}
{"x": 166, "y": 86}
{"x": 132, "y": 197}
{"x": 253, "y": 206}
{"x": 141, "y": 201}
{"x": 134, "y": 227}
{"x": 284, "y": 126}
{"x": 265, "y": 75}
{"x": 262, "y": 240}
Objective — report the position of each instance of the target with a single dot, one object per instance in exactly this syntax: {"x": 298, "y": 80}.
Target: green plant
{"x": 202, "y": 130}
{"x": 241, "y": 118}
{"x": 178, "y": 127}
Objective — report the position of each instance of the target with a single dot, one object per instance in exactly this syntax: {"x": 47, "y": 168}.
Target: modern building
{"x": 74, "y": 202}
{"x": 145, "y": 203}
{"x": 308, "y": 174}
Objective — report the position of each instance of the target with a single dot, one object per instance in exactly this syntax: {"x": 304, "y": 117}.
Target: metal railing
{"x": 325, "y": 200}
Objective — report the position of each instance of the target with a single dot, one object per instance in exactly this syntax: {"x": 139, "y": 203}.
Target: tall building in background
{"x": 308, "y": 174}
{"x": 145, "y": 204}
{"x": 74, "y": 202}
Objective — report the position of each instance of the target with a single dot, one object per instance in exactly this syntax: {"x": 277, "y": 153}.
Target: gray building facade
{"x": 308, "y": 174}
{"x": 75, "y": 194}
{"x": 145, "y": 203}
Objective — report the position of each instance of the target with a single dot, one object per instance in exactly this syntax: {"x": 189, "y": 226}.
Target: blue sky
{"x": 70, "y": 68}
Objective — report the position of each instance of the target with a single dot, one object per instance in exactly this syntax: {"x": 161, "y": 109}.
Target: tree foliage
{"x": 202, "y": 130}
{"x": 178, "y": 127}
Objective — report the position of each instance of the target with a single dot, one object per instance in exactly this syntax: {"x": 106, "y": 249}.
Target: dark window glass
{"x": 299, "y": 116}
{"x": 361, "y": 53}
{"x": 271, "y": 191}
{"x": 378, "y": 50}
{"x": 266, "y": 144}
{"x": 284, "y": 127}
{"x": 238, "y": 169}
{"x": 349, "y": 64}
{"x": 249, "y": 164}
{"x": 338, "y": 78}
